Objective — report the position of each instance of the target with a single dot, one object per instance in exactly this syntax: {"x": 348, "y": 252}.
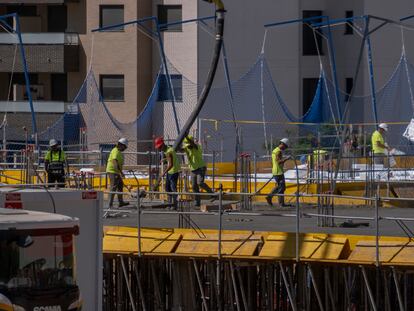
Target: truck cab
{"x": 37, "y": 262}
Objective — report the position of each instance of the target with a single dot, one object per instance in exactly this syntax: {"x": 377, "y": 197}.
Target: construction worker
{"x": 278, "y": 174}
{"x": 316, "y": 160}
{"x": 55, "y": 164}
{"x": 197, "y": 166}
{"x": 172, "y": 171}
{"x": 114, "y": 171}
{"x": 379, "y": 145}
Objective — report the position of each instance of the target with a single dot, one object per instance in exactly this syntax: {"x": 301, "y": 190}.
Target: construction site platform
{"x": 264, "y": 233}
{"x": 259, "y": 245}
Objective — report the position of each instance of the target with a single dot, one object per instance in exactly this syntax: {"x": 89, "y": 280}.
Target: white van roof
{"x": 28, "y": 220}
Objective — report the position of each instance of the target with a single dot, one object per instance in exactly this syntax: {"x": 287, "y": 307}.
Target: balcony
{"x": 45, "y": 52}
{"x": 37, "y": 1}
{"x": 40, "y": 106}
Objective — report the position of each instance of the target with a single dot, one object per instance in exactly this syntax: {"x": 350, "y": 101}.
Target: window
{"x": 348, "y": 26}
{"x": 111, "y": 15}
{"x": 169, "y": 14}
{"x": 59, "y": 86}
{"x": 308, "y": 92}
{"x": 57, "y": 18}
{"x": 308, "y": 36}
{"x": 164, "y": 93}
{"x": 349, "y": 85}
{"x": 112, "y": 87}
{"x": 22, "y": 10}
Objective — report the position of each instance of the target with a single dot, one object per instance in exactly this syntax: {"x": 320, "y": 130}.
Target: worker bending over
{"x": 114, "y": 171}
{"x": 55, "y": 164}
{"x": 172, "y": 171}
{"x": 278, "y": 174}
{"x": 197, "y": 166}
{"x": 379, "y": 145}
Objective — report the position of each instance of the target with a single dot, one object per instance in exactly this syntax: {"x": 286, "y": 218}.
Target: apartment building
{"x": 290, "y": 50}
{"x": 61, "y": 48}
{"x": 51, "y": 32}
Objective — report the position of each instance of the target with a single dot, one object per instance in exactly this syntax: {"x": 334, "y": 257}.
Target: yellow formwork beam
{"x": 99, "y": 182}
{"x": 257, "y": 246}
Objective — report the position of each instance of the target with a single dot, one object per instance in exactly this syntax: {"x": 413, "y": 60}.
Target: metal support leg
{"x": 243, "y": 294}
{"x": 131, "y": 299}
{"x": 397, "y": 288}
{"x": 141, "y": 292}
{"x": 371, "y": 296}
{"x": 292, "y": 301}
{"x": 233, "y": 279}
{"x": 329, "y": 288}
{"x": 200, "y": 285}
{"x": 315, "y": 287}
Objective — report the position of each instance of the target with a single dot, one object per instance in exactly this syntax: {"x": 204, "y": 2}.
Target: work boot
{"x": 286, "y": 205}
{"x": 269, "y": 201}
{"x": 121, "y": 204}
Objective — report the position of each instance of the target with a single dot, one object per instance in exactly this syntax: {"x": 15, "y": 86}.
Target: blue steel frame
{"x": 140, "y": 22}
{"x": 3, "y": 20}
{"x": 330, "y": 47}
{"x": 367, "y": 34}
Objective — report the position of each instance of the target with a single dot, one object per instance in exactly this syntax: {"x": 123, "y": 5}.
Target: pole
{"x": 371, "y": 73}
{"x": 139, "y": 223}
{"x": 334, "y": 71}
{"x": 26, "y": 75}
{"x": 377, "y": 201}
{"x": 167, "y": 75}
{"x": 218, "y": 276}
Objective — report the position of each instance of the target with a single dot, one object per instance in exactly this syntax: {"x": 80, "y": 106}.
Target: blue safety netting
{"x": 253, "y": 107}
{"x": 250, "y": 108}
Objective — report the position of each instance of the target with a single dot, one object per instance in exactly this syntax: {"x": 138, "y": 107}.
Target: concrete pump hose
{"x": 204, "y": 93}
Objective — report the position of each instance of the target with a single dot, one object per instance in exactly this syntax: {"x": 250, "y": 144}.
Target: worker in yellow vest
{"x": 318, "y": 158}
{"x": 55, "y": 164}
{"x": 114, "y": 171}
{"x": 278, "y": 173}
{"x": 379, "y": 145}
{"x": 172, "y": 171}
{"x": 197, "y": 166}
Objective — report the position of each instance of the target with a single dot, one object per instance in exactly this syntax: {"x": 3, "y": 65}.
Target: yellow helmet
{"x": 188, "y": 139}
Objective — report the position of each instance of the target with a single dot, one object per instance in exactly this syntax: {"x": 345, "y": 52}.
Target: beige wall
{"x": 116, "y": 53}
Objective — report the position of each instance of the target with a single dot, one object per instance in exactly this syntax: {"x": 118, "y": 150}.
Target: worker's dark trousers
{"x": 117, "y": 185}
{"x": 171, "y": 186}
{"x": 279, "y": 189}
{"x": 58, "y": 178}
{"x": 197, "y": 182}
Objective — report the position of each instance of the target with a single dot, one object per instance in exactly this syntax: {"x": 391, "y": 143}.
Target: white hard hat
{"x": 285, "y": 141}
{"x": 383, "y": 126}
{"x": 123, "y": 141}
{"x": 53, "y": 142}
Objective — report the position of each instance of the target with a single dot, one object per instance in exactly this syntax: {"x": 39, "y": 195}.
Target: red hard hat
{"x": 159, "y": 141}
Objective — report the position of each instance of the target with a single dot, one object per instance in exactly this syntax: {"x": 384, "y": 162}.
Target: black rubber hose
{"x": 210, "y": 78}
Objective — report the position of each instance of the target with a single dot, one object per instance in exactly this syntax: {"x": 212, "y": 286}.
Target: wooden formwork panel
{"x": 405, "y": 255}
{"x": 206, "y": 244}
{"x": 311, "y": 246}
{"x": 389, "y": 251}
{"x": 152, "y": 241}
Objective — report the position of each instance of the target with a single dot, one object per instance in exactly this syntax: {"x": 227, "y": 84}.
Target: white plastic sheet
{"x": 409, "y": 131}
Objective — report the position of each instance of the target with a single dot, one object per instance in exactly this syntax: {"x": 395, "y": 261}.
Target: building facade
{"x": 61, "y": 49}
